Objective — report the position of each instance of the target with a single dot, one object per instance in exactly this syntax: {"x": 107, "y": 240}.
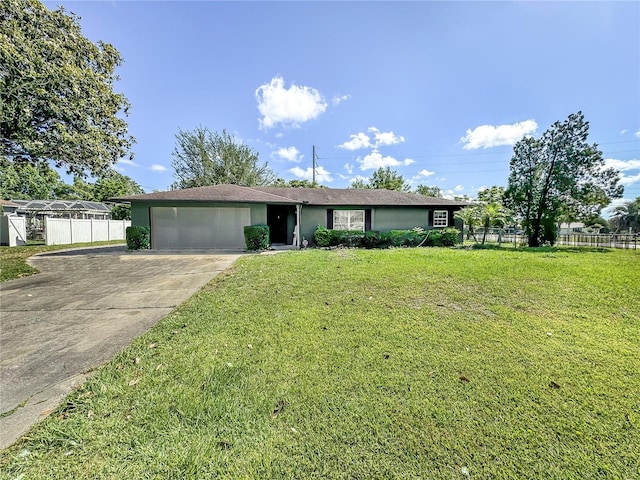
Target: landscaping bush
{"x": 322, "y": 237}
{"x": 347, "y": 238}
{"x": 256, "y": 237}
{"x": 332, "y": 238}
{"x": 407, "y": 238}
{"x": 445, "y": 237}
{"x": 415, "y": 237}
{"x": 138, "y": 237}
{"x": 374, "y": 239}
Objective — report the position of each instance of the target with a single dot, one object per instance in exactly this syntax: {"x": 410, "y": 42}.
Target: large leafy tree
{"x": 114, "y": 184}
{"x": 558, "y": 174}
{"x": 25, "y": 181}
{"x": 202, "y": 157}
{"x": 429, "y": 191}
{"x": 281, "y": 182}
{"x": 56, "y": 92}
{"x": 383, "y": 178}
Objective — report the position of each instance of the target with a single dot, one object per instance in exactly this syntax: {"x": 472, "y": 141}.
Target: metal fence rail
{"x": 607, "y": 240}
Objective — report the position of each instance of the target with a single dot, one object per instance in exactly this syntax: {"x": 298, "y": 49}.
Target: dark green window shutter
{"x": 330, "y": 218}
{"x": 367, "y": 220}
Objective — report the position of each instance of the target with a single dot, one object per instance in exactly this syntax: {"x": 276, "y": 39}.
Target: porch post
{"x": 297, "y": 241}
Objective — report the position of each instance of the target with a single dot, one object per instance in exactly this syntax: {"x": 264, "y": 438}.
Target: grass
{"x": 13, "y": 260}
{"x": 404, "y": 363}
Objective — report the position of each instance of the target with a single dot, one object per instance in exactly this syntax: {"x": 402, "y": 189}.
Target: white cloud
{"x": 628, "y": 180}
{"x": 126, "y": 161}
{"x": 287, "y": 106}
{"x": 157, "y": 168}
{"x": 322, "y": 175}
{"x": 375, "y": 160}
{"x": 361, "y": 140}
{"x": 385, "y": 138}
{"x": 622, "y": 165}
{"x": 625, "y": 166}
{"x": 486, "y": 136}
{"x": 358, "y": 141}
{"x": 623, "y": 131}
{"x": 337, "y": 100}
{"x": 291, "y": 154}
{"x": 349, "y": 168}
{"x": 458, "y": 188}
{"x": 425, "y": 173}
{"x": 448, "y": 194}
{"x": 638, "y": 134}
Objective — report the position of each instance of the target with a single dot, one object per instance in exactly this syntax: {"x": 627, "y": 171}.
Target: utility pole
{"x": 314, "y": 164}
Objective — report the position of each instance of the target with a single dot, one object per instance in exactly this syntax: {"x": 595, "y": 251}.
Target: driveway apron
{"x": 84, "y": 307}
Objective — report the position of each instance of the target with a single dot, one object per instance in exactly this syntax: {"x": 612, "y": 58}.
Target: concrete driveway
{"x": 84, "y": 307}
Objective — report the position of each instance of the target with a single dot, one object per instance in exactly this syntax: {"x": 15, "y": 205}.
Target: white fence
{"x": 13, "y": 231}
{"x": 64, "y": 231}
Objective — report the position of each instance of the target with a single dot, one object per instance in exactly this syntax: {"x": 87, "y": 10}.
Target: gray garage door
{"x": 198, "y": 227}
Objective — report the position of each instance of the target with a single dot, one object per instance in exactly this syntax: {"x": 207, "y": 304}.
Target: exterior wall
{"x": 311, "y": 217}
{"x": 384, "y": 219}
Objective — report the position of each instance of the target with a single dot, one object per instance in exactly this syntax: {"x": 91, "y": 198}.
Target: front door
{"x": 277, "y": 216}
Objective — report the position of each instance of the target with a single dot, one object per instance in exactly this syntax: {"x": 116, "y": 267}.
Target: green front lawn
{"x": 404, "y": 363}
{"x": 13, "y": 260}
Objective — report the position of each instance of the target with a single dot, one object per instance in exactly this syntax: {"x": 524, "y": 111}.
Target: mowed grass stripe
{"x": 405, "y": 363}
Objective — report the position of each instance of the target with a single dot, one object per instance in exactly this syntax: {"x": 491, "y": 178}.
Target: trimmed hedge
{"x": 256, "y": 237}
{"x": 417, "y": 237}
{"x": 138, "y": 237}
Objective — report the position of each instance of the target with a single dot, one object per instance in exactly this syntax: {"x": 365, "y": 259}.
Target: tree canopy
{"x": 26, "y": 181}
{"x": 280, "y": 182}
{"x": 202, "y": 157}
{"x": 559, "y": 174}
{"x": 114, "y": 184}
{"x": 56, "y": 92}
{"x": 383, "y": 178}
{"x": 429, "y": 191}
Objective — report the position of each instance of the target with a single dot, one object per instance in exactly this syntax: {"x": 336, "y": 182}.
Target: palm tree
{"x": 627, "y": 216}
{"x": 470, "y": 217}
{"x": 492, "y": 214}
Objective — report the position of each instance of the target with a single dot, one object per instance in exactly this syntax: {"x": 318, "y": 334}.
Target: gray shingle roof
{"x": 357, "y": 196}
{"x": 213, "y": 193}
{"x": 311, "y": 196}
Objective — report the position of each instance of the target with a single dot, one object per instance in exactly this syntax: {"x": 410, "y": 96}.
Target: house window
{"x": 440, "y": 218}
{"x": 348, "y": 220}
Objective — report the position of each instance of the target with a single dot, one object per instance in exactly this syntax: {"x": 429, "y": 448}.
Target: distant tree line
{"x": 23, "y": 180}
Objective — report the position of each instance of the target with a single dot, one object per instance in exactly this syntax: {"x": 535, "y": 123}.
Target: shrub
{"x": 445, "y": 237}
{"x": 138, "y": 237}
{"x": 256, "y": 237}
{"x": 416, "y": 237}
{"x": 332, "y": 238}
{"x": 371, "y": 239}
{"x": 408, "y": 238}
{"x": 347, "y": 238}
{"x": 322, "y": 237}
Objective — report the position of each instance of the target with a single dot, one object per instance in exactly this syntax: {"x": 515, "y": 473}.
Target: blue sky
{"x": 438, "y": 91}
